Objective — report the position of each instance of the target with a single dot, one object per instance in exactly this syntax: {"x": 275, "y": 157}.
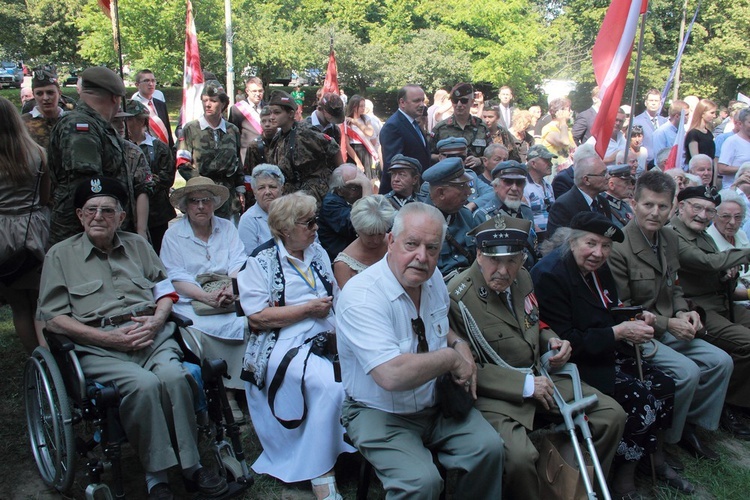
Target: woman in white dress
{"x": 200, "y": 244}
{"x": 267, "y": 182}
{"x": 726, "y": 233}
{"x": 287, "y": 292}
{"x": 372, "y": 217}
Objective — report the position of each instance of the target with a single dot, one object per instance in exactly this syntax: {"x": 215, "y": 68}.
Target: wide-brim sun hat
{"x": 199, "y": 184}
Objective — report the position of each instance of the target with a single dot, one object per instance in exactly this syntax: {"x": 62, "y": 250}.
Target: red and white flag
{"x": 331, "y": 83}
{"x": 611, "y": 59}
{"x": 105, "y": 6}
{"x": 677, "y": 154}
{"x": 192, "y": 83}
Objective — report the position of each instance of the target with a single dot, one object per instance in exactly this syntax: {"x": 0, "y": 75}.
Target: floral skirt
{"x": 648, "y": 404}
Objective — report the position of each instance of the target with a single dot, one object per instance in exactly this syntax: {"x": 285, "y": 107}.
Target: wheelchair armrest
{"x": 180, "y": 320}
{"x": 237, "y": 305}
{"x": 58, "y": 342}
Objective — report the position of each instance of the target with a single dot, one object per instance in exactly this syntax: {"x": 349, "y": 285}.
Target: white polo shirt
{"x": 373, "y": 325}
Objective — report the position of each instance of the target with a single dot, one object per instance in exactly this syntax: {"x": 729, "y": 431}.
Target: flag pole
{"x": 229, "y": 47}
{"x": 636, "y": 78}
{"x": 115, "y": 16}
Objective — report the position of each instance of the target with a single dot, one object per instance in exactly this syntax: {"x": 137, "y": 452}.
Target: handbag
{"x": 21, "y": 260}
{"x": 455, "y": 401}
{"x": 210, "y": 282}
{"x": 559, "y": 475}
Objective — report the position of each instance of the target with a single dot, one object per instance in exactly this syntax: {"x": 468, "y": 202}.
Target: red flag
{"x": 611, "y": 59}
{"x": 677, "y": 154}
{"x": 104, "y": 4}
{"x": 332, "y": 75}
{"x": 192, "y": 83}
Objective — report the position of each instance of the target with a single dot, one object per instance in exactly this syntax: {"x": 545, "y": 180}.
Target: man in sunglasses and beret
{"x": 463, "y": 124}
{"x": 707, "y": 277}
{"x": 619, "y": 193}
{"x": 394, "y": 342}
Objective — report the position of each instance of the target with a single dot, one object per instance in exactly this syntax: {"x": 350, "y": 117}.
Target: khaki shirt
{"x": 81, "y": 281}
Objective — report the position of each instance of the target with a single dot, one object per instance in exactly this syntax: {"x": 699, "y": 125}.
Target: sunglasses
{"x": 311, "y": 223}
{"x": 462, "y": 100}
{"x": 417, "y": 326}
{"x": 517, "y": 182}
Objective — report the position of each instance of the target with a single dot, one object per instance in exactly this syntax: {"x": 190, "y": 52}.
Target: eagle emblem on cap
{"x": 610, "y": 232}
{"x": 499, "y": 223}
{"x": 96, "y": 186}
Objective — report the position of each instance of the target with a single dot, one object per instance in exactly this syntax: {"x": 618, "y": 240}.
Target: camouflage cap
{"x": 101, "y": 78}
{"x": 332, "y": 103}
{"x": 44, "y": 76}
{"x": 136, "y": 108}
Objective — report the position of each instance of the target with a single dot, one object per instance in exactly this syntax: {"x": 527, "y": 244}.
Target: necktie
{"x": 151, "y": 105}
{"x": 655, "y": 121}
{"x": 509, "y": 303}
{"x": 419, "y": 130}
{"x": 594, "y": 206}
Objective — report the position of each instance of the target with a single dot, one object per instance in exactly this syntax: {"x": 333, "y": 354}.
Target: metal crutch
{"x": 574, "y": 415}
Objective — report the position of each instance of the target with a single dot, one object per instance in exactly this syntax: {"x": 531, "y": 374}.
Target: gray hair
{"x": 743, "y": 115}
{"x": 662, "y": 155}
{"x": 418, "y": 208}
{"x": 584, "y": 157}
{"x": 216, "y": 200}
{"x": 699, "y": 157}
{"x": 267, "y": 171}
{"x": 337, "y": 177}
{"x": 732, "y": 196}
{"x": 284, "y": 212}
{"x": 372, "y": 214}
{"x": 490, "y": 150}
{"x": 741, "y": 170}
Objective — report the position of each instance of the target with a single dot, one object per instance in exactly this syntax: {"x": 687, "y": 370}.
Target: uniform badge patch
{"x": 482, "y": 292}
{"x": 96, "y": 185}
{"x": 82, "y": 127}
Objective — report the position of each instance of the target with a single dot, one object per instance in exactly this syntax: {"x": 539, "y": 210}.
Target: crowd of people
{"x": 379, "y": 265}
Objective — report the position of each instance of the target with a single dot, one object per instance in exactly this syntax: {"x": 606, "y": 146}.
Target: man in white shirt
{"x": 665, "y": 135}
{"x": 736, "y": 149}
{"x": 394, "y": 342}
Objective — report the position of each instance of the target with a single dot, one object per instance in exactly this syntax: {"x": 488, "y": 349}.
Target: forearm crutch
{"x": 574, "y": 415}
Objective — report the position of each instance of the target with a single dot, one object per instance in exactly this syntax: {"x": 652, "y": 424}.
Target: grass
{"x": 728, "y": 479}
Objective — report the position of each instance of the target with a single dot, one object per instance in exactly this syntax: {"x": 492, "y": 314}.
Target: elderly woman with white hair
{"x": 741, "y": 185}
{"x": 727, "y": 233}
{"x": 372, "y": 217}
{"x": 287, "y": 292}
{"x": 267, "y": 182}
{"x": 201, "y": 253}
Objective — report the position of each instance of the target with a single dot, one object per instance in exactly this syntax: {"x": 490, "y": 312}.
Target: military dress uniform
{"x": 306, "y": 157}
{"x": 524, "y": 212}
{"x": 702, "y": 266}
{"x": 82, "y": 145}
{"x": 518, "y": 338}
{"x": 622, "y": 212}
{"x": 475, "y": 132}
{"x": 216, "y": 155}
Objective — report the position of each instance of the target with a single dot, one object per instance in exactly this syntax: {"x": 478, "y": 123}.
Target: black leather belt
{"x": 121, "y": 318}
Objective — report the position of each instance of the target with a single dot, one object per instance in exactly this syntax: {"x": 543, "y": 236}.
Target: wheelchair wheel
{"x": 48, "y": 416}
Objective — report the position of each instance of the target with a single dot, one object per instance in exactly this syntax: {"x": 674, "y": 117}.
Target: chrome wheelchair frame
{"x": 58, "y": 399}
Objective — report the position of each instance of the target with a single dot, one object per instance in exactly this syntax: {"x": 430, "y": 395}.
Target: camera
{"x": 324, "y": 345}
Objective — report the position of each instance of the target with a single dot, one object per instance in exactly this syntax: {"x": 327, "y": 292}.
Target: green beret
{"x": 99, "y": 77}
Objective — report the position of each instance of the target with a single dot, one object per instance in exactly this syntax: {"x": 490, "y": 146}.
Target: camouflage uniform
{"x": 216, "y": 155}
{"x": 82, "y": 144}
{"x": 139, "y": 173}
{"x": 161, "y": 162}
{"x": 40, "y": 127}
{"x": 306, "y": 157}
{"x": 475, "y": 132}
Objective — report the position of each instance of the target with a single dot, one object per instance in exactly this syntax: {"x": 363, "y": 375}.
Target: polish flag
{"x": 105, "y": 6}
{"x": 677, "y": 154}
{"x": 611, "y": 59}
{"x": 331, "y": 83}
{"x": 192, "y": 83}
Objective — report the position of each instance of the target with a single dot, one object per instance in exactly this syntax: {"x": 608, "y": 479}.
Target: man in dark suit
{"x": 590, "y": 180}
{"x": 585, "y": 119}
{"x": 505, "y": 109}
{"x": 154, "y": 101}
{"x": 650, "y": 120}
{"x": 401, "y": 133}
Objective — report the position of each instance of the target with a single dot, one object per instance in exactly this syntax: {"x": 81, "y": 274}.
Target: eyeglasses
{"x": 697, "y": 208}
{"x": 255, "y": 91}
{"x": 462, "y": 100}
{"x": 198, "y": 201}
{"x": 517, "y": 182}
{"x": 417, "y": 326}
{"x": 605, "y": 174}
{"x": 311, "y": 223}
{"x": 728, "y": 217}
{"x": 107, "y": 212}
{"x": 148, "y": 80}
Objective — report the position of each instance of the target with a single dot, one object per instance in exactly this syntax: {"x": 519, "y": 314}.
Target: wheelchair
{"x": 57, "y": 397}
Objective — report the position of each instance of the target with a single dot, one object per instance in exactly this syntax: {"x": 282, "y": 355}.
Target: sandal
{"x": 331, "y": 482}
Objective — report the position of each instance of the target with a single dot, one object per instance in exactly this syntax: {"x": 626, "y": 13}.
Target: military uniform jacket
{"x": 702, "y": 265}
{"x": 219, "y": 160}
{"x": 519, "y": 342}
{"x": 140, "y": 181}
{"x": 82, "y": 145}
{"x": 306, "y": 157}
{"x": 40, "y": 127}
{"x": 451, "y": 258}
{"x": 161, "y": 162}
{"x": 647, "y": 279}
{"x": 475, "y": 132}
{"x": 621, "y": 211}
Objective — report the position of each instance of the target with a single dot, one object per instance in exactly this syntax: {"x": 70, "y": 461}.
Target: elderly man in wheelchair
{"x": 109, "y": 293}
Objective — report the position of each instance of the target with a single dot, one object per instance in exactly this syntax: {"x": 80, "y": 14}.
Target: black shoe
{"x": 160, "y": 491}
{"x": 669, "y": 476}
{"x": 731, "y": 423}
{"x": 693, "y": 445}
{"x": 674, "y": 462}
{"x": 207, "y": 482}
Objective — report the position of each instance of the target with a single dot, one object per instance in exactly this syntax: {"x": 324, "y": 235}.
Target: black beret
{"x": 594, "y": 222}
{"x": 99, "y": 186}
{"x": 707, "y": 193}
